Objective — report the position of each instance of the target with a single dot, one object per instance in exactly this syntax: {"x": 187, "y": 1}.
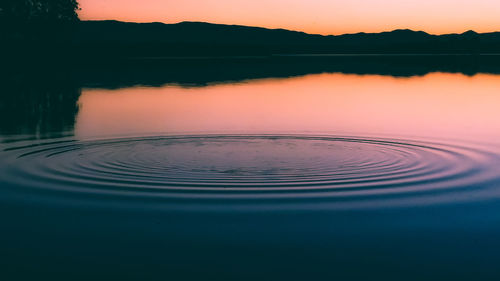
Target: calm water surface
{"x": 324, "y": 175}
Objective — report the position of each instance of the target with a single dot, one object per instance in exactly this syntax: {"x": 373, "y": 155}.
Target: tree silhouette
{"x": 37, "y": 19}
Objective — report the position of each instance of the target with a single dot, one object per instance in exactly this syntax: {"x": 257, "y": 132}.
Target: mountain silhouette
{"x": 113, "y": 38}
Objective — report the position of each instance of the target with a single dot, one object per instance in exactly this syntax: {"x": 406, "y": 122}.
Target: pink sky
{"x": 313, "y": 16}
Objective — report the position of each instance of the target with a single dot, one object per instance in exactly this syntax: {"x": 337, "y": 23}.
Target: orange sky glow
{"x": 312, "y": 16}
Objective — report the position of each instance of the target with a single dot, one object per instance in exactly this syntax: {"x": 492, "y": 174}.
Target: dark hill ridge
{"x": 188, "y": 32}
{"x": 202, "y": 39}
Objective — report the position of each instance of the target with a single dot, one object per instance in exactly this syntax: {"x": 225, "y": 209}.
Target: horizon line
{"x": 286, "y": 29}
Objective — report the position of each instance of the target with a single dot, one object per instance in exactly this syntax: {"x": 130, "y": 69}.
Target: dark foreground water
{"x": 311, "y": 177}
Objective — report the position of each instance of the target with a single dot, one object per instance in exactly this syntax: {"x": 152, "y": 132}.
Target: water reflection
{"x": 342, "y": 139}
{"x": 404, "y": 172}
{"x": 438, "y": 105}
{"x": 38, "y": 106}
{"x": 208, "y": 71}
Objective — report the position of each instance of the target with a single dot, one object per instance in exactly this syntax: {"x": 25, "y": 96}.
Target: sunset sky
{"x": 313, "y": 16}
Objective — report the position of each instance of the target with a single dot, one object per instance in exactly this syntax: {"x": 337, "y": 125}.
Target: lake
{"x": 307, "y": 176}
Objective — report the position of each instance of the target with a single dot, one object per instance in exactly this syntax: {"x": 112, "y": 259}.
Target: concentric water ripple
{"x": 304, "y": 170}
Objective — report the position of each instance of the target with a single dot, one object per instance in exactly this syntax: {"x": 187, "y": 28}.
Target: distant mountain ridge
{"x": 190, "y": 25}
{"x": 186, "y": 32}
{"x": 199, "y": 38}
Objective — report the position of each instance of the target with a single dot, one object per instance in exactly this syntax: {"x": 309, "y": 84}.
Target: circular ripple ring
{"x": 252, "y": 168}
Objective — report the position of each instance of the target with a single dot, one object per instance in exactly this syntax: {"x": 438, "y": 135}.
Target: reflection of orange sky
{"x": 313, "y": 16}
{"x": 437, "y": 105}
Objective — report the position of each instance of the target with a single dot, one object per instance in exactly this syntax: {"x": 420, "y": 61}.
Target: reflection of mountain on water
{"x": 192, "y": 72}
{"x": 203, "y": 71}
{"x": 38, "y": 104}
{"x": 45, "y": 102}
